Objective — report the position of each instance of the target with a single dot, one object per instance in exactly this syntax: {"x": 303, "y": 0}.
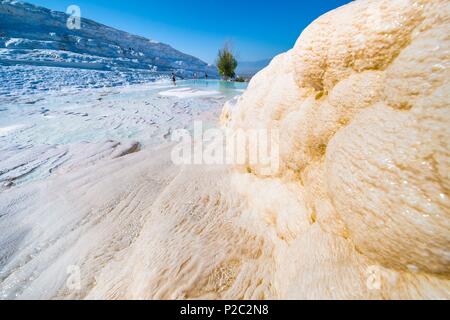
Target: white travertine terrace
{"x": 359, "y": 208}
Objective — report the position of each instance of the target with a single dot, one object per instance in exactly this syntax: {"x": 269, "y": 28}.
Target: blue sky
{"x": 258, "y": 29}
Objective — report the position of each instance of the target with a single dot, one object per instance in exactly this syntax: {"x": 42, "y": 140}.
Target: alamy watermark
{"x": 253, "y": 147}
{"x": 377, "y": 275}
{"x": 74, "y": 19}
{"x": 73, "y": 281}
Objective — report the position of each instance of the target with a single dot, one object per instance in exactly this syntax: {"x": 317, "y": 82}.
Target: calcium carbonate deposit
{"x": 359, "y": 208}
{"x": 361, "y": 102}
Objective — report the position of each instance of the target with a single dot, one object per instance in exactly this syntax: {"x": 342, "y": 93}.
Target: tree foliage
{"x": 226, "y": 62}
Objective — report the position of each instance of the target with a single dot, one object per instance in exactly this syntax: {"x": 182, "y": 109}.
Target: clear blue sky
{"x": 259, "y": 29}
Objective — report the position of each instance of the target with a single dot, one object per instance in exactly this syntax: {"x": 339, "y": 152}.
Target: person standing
{"x": 174, "y": 79}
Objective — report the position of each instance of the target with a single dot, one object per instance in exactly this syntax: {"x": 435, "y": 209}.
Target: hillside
{"x": 39, "y": 37}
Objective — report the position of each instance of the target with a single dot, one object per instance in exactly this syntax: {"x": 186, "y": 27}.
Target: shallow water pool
{"x": 44, "y": 129}
{"x": 229, "y": 89}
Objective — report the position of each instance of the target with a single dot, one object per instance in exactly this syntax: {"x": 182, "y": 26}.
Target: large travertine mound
{"x": 361, "y": 103}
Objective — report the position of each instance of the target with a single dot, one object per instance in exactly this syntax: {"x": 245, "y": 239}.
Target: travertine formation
{"x": 361, "y": 103}
{"x": 358, "y": 209}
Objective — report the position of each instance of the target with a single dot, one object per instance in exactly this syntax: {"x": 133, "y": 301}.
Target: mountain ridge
{"x": 39, "y": 36}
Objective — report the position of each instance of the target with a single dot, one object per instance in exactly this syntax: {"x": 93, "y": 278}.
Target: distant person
{"x": 174, "y": 79}
{"x": 206, "y": 76}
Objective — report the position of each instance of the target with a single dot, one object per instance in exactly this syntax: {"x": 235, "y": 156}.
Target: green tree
{"x": 226, "y": 62}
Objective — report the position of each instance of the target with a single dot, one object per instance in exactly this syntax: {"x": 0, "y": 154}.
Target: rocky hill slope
{"x": 33, "y": 36}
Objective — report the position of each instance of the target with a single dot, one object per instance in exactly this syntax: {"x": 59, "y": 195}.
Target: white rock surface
{"x": 359, "y": 208}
